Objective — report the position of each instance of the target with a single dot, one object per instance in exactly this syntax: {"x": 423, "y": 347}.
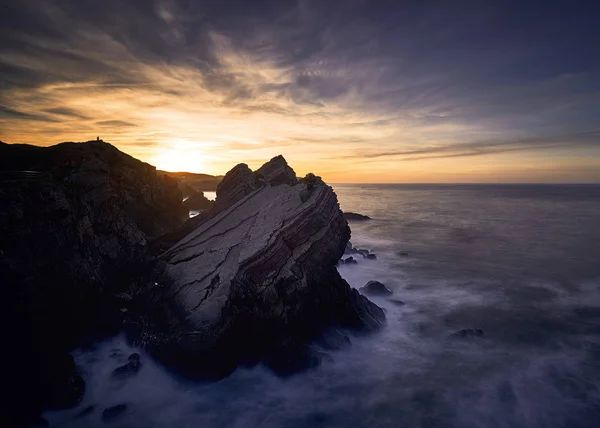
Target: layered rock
{"x": 258, "y": 279}
{"x": 236, "y": 184}
{"x": 75, "y": 220}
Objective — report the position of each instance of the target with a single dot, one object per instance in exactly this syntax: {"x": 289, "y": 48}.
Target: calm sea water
{"x": 522, "y": 263}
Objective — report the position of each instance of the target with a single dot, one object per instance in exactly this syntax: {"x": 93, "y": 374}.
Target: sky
{"x": 352, "y": 90}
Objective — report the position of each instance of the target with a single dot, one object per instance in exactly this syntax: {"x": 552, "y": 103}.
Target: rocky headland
{"x": 94, "y": 241}
{"x": 257, "y": 280}
{"x": 75, "y": 223}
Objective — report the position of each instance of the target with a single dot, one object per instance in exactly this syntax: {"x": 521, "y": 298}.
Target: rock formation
{"x": 251, "y": 279}
{"x": 375, "y": 288}
{"x": 190, "y": 182}
{"x": 75, "y": 220}
{"x": 256, "y": 280}
{"x": 197, "y": 201}
{"x": 356, "y": 217}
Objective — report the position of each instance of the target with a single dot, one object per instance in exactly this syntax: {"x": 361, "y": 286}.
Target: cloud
{"x": 63, "y": 111}
{"x": 115, "y": 123}
{"x": 315, "y": 82}
{"x": 479, "y": 148}
{"x": 7, "y": 113}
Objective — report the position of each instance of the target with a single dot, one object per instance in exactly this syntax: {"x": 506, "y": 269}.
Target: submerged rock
{"x": 111, "y": 413}
{"x": 356, "y": 217}
{"x": 258, "y": 278}
{"x": 129, "y": 369}
{"x": 351, "y": 250}
{"x": 333, "y": 339}
{"x": 349, "y": 261}
{"x": 375, "y": 288}
{"x": 84, "y": 412}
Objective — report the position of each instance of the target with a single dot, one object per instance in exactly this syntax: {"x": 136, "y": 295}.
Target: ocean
{"x": 521, "y": 263}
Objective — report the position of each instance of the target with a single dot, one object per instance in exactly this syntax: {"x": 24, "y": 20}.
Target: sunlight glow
{"x": 180, "y": 155}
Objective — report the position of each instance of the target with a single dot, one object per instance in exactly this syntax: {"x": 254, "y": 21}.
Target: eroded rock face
{"x": 277, "y": 172}
{"x": 259, "y": 276}
{"x": 72, "y": 233}
{"x": 236, "y": 184}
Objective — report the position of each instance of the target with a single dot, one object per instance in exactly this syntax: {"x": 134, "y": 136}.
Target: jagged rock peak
{"x": 276, "y": 172}
{"x": 241, "y": 181}
{"x": 237, "y": 183}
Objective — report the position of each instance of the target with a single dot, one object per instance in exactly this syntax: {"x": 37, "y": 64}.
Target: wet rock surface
{"x": 111, "y": 413}
{"x": 375, "y": 288}
{"x": 348, "y": 261}
{"x": 129, "y": 369}
{"x": 359, "y": 252}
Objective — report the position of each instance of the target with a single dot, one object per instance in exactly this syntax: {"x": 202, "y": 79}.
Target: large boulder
{"x": 258, "y": 278}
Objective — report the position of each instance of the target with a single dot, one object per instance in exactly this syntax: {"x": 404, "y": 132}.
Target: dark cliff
{"x": 75, "y": 222}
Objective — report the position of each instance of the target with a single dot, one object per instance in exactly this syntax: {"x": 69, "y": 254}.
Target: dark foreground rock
{"x": 66, "y": 385}
{"x": 356, "y": 217}
{"x": 257, "y": 280}
{"x": 75, "y": 221}
{"x": 375, "y": 288}
{"x": 197, "y": 201}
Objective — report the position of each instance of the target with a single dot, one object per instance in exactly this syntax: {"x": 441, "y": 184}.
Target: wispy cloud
{"x": 114, "y": 123}
{"x": 486, "y": 147}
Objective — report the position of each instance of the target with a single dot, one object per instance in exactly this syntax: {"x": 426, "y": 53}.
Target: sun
{"x": 180, "y": 156}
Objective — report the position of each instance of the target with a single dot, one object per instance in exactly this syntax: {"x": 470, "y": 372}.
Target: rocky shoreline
{"x": 95, "y": 241}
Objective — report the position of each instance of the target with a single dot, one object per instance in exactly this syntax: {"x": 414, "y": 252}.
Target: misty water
{"x": 522, "y": 263}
